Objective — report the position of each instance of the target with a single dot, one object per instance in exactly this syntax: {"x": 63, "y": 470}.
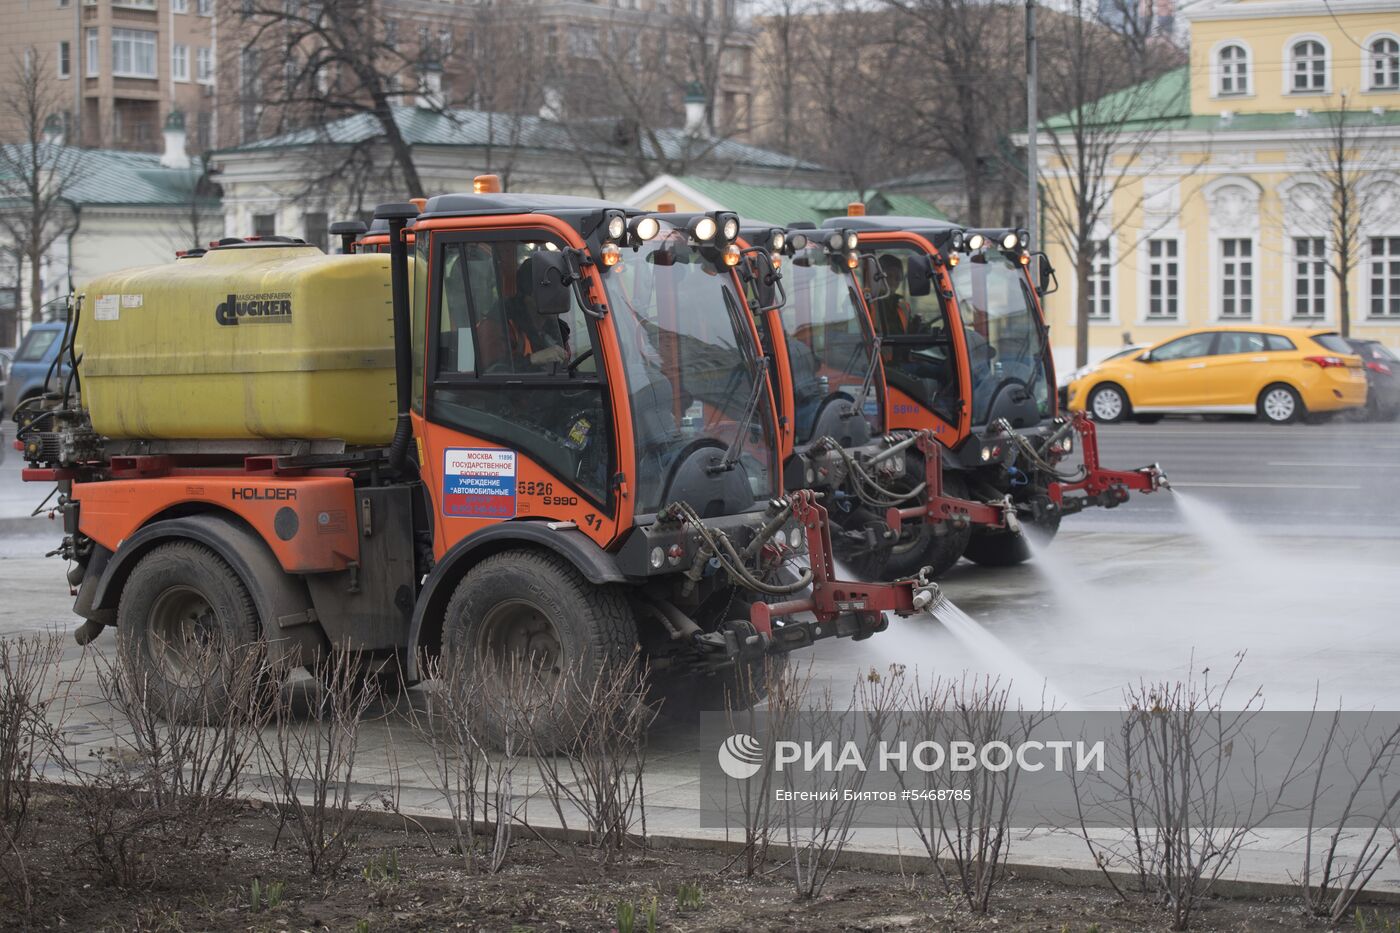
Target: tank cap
{"x": 855, "y": 209}
{"x": 348, "y": 227}
{"x": 396, "y": 210}
{"x": 486, "y": 184}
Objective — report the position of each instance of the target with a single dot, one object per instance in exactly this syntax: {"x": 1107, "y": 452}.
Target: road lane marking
{"x": 1322, "y": 463}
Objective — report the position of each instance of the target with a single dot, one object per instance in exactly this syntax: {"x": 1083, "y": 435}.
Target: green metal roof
{"x": 785, "y": 205}
{"x": 467, "y": 128}
{"x": 113, "y": 177}
{"x": 1165, "y": 103}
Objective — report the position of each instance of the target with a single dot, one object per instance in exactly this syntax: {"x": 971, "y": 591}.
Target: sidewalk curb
{"x": 896, "y": 864}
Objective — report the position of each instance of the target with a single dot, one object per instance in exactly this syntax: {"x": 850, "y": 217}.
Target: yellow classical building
{"x": 1222, "y": 208}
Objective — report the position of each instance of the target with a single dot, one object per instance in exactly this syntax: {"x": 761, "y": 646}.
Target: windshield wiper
{"x": 731, "y": 456}
{"x": 865, "y": 384}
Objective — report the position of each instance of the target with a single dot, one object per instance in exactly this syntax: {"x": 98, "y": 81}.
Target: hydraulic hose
{"x": 867, "y": 487}
{"x": 724, "y": 551}
{"x": 398, "y": 215}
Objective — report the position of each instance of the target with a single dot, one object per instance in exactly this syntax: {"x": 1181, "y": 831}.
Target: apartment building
{"x": 124, "y": 66}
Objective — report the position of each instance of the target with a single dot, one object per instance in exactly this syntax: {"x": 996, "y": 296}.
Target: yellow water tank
{"x": 243, "y": 342}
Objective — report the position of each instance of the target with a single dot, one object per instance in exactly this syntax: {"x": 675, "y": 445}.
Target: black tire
{"x": 530, "y": 606}
{"x": 1280, "y": 403}
{"x": 1009, "y": 548}
{"x": 1148, "y": 419}
{"x": 921, "y": 544}
{"x": 179, "y": 598}
{"x": 1108, "y": 403}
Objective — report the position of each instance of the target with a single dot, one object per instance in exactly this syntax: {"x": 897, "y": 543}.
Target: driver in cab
{"x": 520, "y": 339}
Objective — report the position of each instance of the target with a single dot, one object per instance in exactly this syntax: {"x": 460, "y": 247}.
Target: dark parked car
{"x": 7, "y": 356}
{"x": 1382, "y": 379}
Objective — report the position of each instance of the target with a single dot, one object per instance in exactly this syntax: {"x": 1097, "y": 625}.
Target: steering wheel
{"x": 574, "y": 364}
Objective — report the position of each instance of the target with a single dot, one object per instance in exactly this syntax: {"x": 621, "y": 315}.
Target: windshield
{"x": 829, "y": 342}
{"x": 1005, "y": 345}
{"x": 36, "y": 345}
{"x": 691, "y": 363}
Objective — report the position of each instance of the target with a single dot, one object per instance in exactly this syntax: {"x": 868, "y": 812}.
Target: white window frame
{"x": 1220, "y": 279}
{"x": 202, "y": 56}
{"x": 1108, "y": 278}
{"x": 1145, "y": 315}
{"x": 64, "y": 73}
{"x": 1368, "y": 62}
{"x": 1293, "y": 278}
{"x": 1217, "y": 70}
{"x": 204, "y": 7}
{"x": 132, "y": 37}
{"x": 179, "y": 62}
{"x": 1368, "y": 279}
{"x": 92, "y": 52}
{"x": 179, "y": 6}
{"x": 1290, "y": 63}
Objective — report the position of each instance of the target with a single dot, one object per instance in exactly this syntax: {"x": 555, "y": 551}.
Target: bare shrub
{"x": 310, "y": 755}
{"x": 476, "y": 783}
{"x": 165, "y": 784}
{"x": 819, "y": 826}
{"x": 787, "y": 687}
{"x": 1332, "y": 880}
{"x": 1186, "y": 823}
{"x": 28, "y": 690}
{"x": 597, "y": 771}
{"x": 963, "y": 817}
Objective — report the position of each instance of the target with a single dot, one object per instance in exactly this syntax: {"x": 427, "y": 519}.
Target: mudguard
{"x": 425, "y": 632}
{"x": 284, "y": 606}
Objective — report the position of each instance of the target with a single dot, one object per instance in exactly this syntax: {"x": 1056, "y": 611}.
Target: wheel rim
{"x": 516, "y": 634}
{"x": 182, "y": 626}
{"x": 1279, "y": 404}
{"x": 1108, "y": 405}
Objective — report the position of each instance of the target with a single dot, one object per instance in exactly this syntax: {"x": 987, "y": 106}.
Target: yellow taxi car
{"x": 1282, "y": 374}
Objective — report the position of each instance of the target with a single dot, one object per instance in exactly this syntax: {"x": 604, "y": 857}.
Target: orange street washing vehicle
{"x": 1280, "y": 374}
{"x": 966, "y": 359}
{"x": 547, "y": 436}
{"x": 890, "y": 517}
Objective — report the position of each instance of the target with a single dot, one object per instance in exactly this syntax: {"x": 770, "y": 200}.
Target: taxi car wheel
{"x": 1281, "y": 404}
{"x": 1108, "y": 403}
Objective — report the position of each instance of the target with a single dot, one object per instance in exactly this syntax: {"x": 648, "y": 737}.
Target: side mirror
{"x": 1145, "y": 356}
{"x": 876, "y": 283}
{"x": 765, "y": 281}
{"x": 918, "y": 273}
{"x": 549, "y": 278}
{"x": 1046, "y": 283}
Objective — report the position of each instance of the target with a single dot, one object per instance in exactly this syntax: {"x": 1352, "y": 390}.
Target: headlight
{"x": 1009, "y": 241}
{"x": 795, "y": 539}
{"x": 852, "y": 238}
{"x": 703, "y": 229}
{"x": 852, "y": 259}
{"x": 617, "y": 226}
{"x": 731, "y": 228}
{"x": 834, "y": 241}
{"x": 611, "y": 255}
{"x": 799, "y": 241}
{"x": 986, "y": 454}
{"x": 658, "y": 558}
{"x": 778, "y": 241}
{"x": 956, "y": 242}
{"x": 975, "y": 241}
{"x": 645, "y": 228}
{"x": 731, "y": 254}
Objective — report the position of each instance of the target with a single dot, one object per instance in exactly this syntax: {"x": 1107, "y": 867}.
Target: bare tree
{"x": 1113, "y": 104}
{"x": 36, "y": 174}
{"x": 964, "y": 99}
{"x": 1339, "y": 160}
